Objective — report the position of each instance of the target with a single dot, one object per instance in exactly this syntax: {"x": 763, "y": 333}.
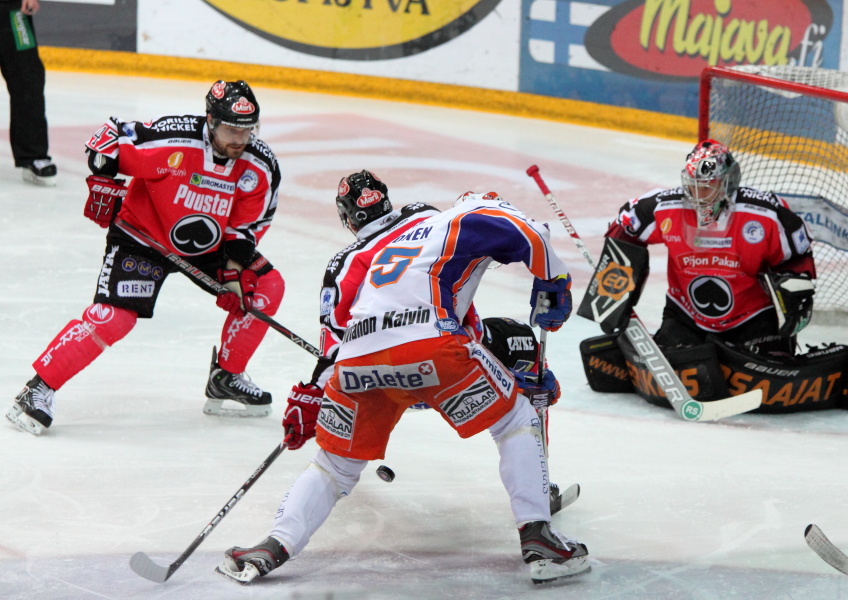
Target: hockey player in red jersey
{"x": 404, "y": 343}
{"x": 204, "y": 187}
{"x": 740, "y": 265}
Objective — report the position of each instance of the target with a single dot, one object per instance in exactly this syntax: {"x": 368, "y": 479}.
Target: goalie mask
{"x": 362, "y": 198}
{"x": 710, "y": 180}
{"x": 232, "y": 103}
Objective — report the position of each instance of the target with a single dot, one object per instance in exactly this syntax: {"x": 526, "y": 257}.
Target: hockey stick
{"x": 210, "y": 283}
{"x": 678, "y": 396}
{"x": 543, "y": 412}
{"x": 817, "y": 540}
{"x": 145, "y": 567}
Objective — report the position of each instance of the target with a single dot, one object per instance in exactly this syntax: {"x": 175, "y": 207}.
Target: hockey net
{"x": 788, "y": 128}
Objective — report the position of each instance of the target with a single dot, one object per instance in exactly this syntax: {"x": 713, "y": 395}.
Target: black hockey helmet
{"x": 232, "y": 103}
{"x": 362, "y": 198}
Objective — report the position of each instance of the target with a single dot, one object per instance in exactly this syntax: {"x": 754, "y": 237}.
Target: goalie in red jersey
{"x": 204, "y": 187}
{"x": 740, "y": 264}
{"x": 740, "y": 289}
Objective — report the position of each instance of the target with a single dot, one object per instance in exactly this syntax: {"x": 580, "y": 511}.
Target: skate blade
{"x": 244, "y": 577}
{"x": 31, "y": 177}
{"x": 217, "y": 408}
{"x": 544, "y": 571}
{"x": 21, "y": 420}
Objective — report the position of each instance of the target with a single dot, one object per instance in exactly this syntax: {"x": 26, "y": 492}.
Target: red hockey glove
{"x": 302, "y": 414}
{"x": 540, "y": 395}
{"x": 551, "y": 302}
{"x": 242, "y": 285}
{"x": 104, "y": 198}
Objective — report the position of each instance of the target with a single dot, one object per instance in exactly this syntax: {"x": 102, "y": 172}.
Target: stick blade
{"x": 144, "y": 567}
{"x": 570, "y": 495}
{"x": 817, "y": 540}
{"x": 732, "y": 405}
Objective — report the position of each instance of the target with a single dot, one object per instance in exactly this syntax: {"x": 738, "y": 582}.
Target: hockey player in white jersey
{"x": 405, "y": 344}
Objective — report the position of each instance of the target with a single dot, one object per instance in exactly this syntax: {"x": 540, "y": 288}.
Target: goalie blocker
{"x": 616, "y": 285}
{"x": 813, "y": 381}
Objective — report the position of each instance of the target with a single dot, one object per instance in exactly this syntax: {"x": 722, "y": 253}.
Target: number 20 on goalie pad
{"x": 616, "y": 285}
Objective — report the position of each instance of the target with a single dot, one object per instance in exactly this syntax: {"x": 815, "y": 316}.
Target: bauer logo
{"x": 675, "y": 40}
{"x": 469, "y": 403}
{"x": 357, "y": 29}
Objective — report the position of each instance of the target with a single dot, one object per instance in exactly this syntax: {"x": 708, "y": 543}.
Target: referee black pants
{"x": 24, "y": 74}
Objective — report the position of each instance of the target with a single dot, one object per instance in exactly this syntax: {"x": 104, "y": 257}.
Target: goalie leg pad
{"x": 812, "y": 381}
{"x": 605, "y": 365}
{"x": 697, "y": 367}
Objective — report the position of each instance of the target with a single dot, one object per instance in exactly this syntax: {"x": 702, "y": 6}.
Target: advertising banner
{"x": 648, "y": 54}
{"x": 643, "y": 54}
{"x": 88, "y": 24}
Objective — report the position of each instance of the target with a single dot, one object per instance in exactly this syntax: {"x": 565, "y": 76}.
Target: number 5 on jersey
{"x": 397, "y": 260}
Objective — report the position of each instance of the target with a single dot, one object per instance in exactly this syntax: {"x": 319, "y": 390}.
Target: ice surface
{"x": 669, "y": 509}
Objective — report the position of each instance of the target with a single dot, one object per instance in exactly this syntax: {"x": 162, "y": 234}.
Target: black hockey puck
{"x": 385, "y": 473}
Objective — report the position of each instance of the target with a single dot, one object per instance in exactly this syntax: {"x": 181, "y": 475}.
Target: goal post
{"x": 788, "y": 128}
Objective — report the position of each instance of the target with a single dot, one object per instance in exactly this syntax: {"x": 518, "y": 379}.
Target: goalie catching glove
{"x": 541, "y": 395}
{"x": 304, "y": 404}
{"x": 793, "y": 299}
{"x": 242, "y": 285}
{"x": 104, "y": 198}
{"x": 551, "y": 302}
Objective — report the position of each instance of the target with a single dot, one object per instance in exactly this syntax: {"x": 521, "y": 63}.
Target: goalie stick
{"x": 210, "y": 283}
{"x": 817, "y": 540}
{"x": 678, "y": 396}
{"x": 145, "y": 567}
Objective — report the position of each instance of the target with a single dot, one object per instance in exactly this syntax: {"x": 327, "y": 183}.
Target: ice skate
{"x": 241, "y": 396}
{"x": 246, "y": 564}
{"x": 33, "y": 408}
{"x": 551, "y": 555}
{"x": 40, "y": 172}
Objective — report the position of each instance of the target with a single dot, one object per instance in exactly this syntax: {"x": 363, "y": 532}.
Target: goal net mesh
{"x": 795, "y": 143}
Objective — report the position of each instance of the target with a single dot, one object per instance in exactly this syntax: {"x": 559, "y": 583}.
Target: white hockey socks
{"x": 312, "y": 497}
{"x": 523, "y": 467}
